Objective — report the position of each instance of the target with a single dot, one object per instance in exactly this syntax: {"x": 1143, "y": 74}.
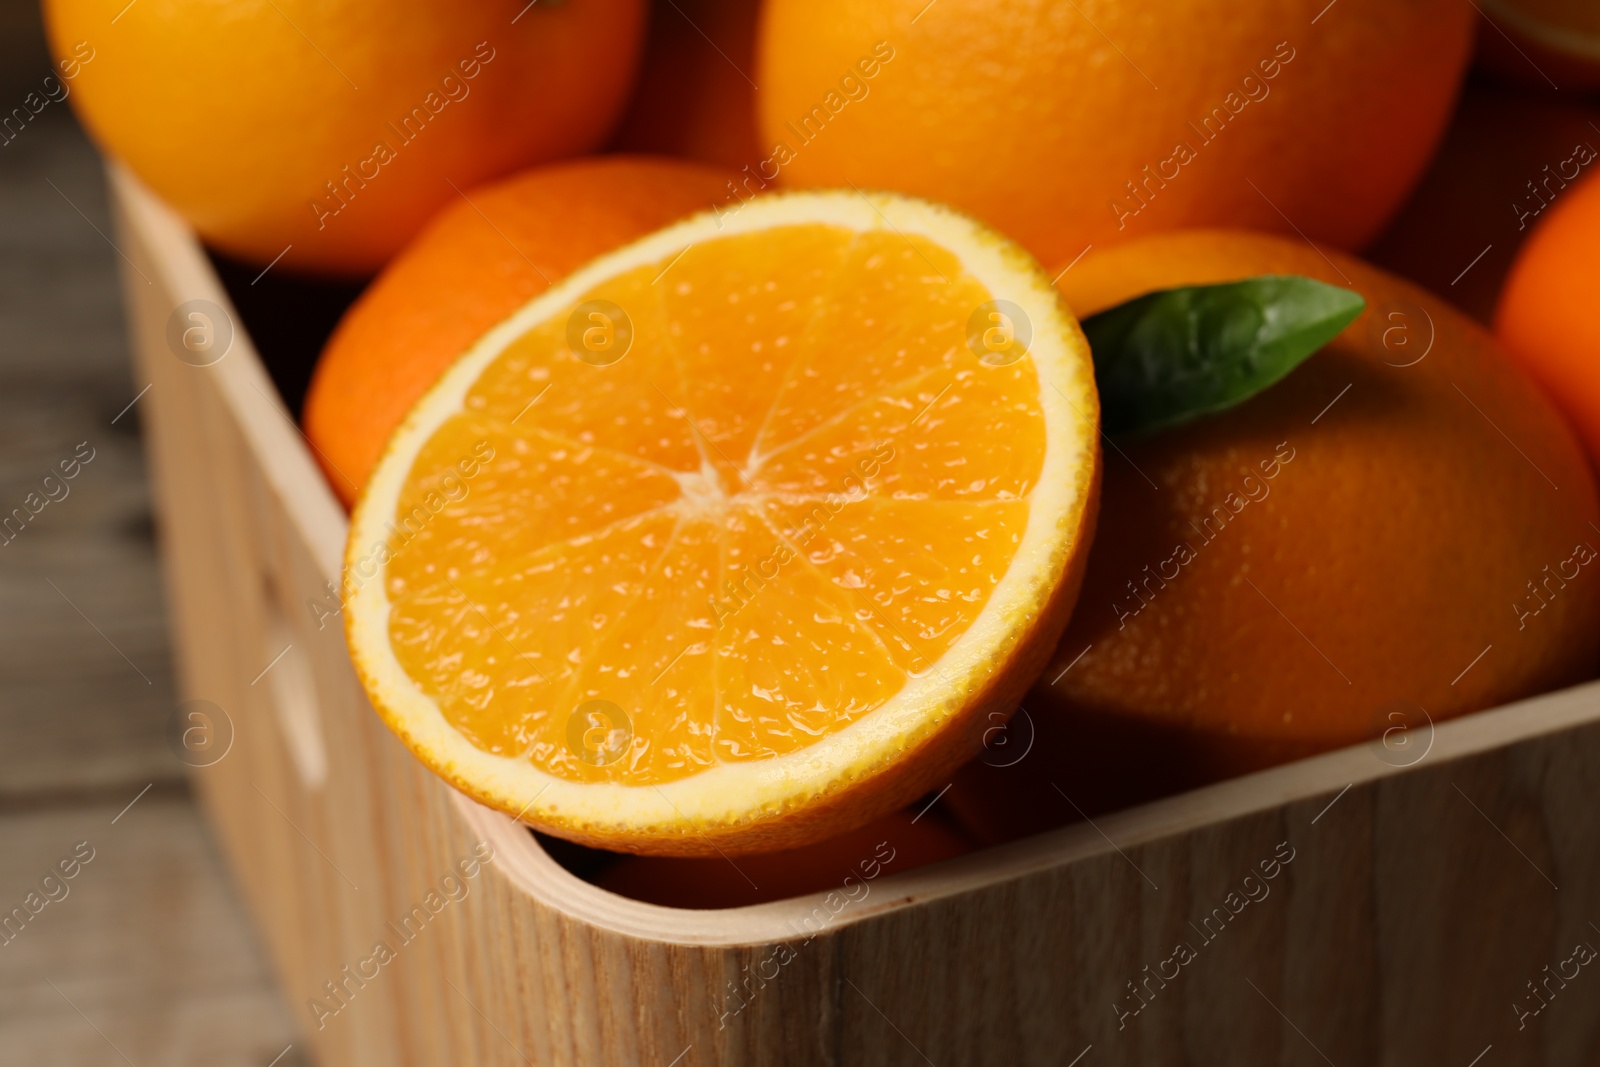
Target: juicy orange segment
{"x": 739, "y": 521}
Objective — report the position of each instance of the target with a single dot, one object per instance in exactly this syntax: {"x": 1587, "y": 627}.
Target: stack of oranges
{"x": 724, "y": 450}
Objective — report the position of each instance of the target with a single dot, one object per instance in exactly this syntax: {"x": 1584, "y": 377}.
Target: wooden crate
{"x": 1411, "y": 912}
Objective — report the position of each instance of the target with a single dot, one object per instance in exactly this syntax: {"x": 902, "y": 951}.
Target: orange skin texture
{"x": 474, "y": 265}
{"x": 235, "y": 117}
{"x": 899, "y": 841}
{"x": 1547, "y": 319}
{"x": 693, "y": 98}
{"x": 1385, "y": 556}
{"x": 1026, "y": 115}
{"x": 1475, "y": 195}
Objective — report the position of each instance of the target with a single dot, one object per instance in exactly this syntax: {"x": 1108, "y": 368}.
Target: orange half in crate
{"x": 739, "y": 537}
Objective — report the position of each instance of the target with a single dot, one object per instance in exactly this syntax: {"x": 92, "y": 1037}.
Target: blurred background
{"x": 147, "y": 958}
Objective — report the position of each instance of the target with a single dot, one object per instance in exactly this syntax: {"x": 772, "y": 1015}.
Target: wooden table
{"x": 148, "y": 958}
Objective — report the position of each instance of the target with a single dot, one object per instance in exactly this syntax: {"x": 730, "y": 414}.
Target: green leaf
{"x": 1167, "y": 357}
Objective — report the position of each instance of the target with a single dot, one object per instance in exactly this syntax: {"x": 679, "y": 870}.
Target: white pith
{"x": 741, "y": 793}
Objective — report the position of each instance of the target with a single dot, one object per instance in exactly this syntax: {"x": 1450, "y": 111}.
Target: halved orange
{"x": 741, "y": 536}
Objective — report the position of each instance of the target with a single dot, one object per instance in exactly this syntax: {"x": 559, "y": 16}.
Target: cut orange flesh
{"x": 739, "y": 537}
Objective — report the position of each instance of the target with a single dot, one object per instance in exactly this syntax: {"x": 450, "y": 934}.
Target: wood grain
{"x": 1407, "y": 908}
{"x": 147, "y": 944}
{"x": 75, "y": 713}
{"x": 150, "y": 942}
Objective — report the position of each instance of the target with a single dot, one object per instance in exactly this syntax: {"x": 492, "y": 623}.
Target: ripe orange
{"x": 329, "y": 132}
{"x": 1547, "y": 315}
{"x": 1065, "y": 124}
{"x": 1402, "y": 523}
{"x": 1509, "y": 154}
{"x": 695, "y": 98}
{"x": 480, "y": 260}
{"x": 1550, "y": 44}
{"x": 844, "y": 867}
{"x": 732, "y": 540}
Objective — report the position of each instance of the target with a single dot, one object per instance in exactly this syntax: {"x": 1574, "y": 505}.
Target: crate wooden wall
{"x": 1419, "y": 904}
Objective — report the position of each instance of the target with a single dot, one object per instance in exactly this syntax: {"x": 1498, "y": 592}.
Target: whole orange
{"x": 1069, "y": 124}
{"x": 1551, "y": 44}
{"x": 1403, "y": 529}
{"x": 329, "y": 132}
{"x": 1547, "y": 315}
{"x": 482, "y": 258}
{"x": 695, "y": 96}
